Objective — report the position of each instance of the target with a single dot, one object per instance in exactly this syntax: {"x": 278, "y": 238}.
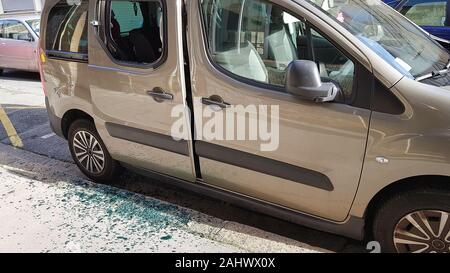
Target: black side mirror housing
{"x": 303, "y": 80}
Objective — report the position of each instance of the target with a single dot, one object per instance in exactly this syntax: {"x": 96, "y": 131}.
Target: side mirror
{"x": 303, "y": 80}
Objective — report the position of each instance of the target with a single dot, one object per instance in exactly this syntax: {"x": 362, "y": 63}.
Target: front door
{"x": 136, "y": 79}
{"x": 275, "y": 147}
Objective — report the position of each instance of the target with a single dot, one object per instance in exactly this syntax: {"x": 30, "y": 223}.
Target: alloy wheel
{"x": 89, "y": 152}
{"x": 424, "y": 231}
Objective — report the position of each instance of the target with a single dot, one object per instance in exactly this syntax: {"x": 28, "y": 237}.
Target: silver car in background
{"x": 19, "y": 40}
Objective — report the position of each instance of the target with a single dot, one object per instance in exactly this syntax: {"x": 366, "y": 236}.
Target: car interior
{"x": 135, "y": 31}
{"x": 258, "y": 41}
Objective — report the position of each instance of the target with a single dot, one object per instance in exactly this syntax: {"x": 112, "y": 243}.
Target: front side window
{"x": 67, "y": 27}
{"x": 400, "y": 43}
{"x": 16, "y": 31}
{"x": 135, "y": 31}
{"x": 426, "y": 12}
{"x": 35, "y": 25}
{"x": 257, "y": 40}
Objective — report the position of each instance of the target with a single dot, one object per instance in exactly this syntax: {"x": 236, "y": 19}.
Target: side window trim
{"x": 102, "y": 13}
{"x": 385, "y": 101}
{"x": 67, "y": 56}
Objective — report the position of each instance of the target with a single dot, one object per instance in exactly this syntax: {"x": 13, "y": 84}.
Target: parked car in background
{"x": 432, "y": 15}
{"x": 19, "y": 41}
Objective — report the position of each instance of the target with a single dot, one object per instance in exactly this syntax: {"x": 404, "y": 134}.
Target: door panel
{"x": 326, "y": 139}
{"x": 136, "y": 126}
{"x": 317, "y": 165}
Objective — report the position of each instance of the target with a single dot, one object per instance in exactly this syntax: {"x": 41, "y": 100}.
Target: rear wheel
{"x": 90, "y": 153}
{"x": 417, "y": 221}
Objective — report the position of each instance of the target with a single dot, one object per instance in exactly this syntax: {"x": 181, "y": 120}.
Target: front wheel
{"x": 90, "y": 153}
{"x": 415, "y": 222}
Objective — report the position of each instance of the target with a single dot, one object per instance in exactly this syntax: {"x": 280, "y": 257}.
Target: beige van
{"x": 330, "y": 114}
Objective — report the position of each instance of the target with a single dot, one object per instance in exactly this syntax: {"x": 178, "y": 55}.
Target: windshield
{"x": 35, "y": 25}
{"x": 399, "y": 42}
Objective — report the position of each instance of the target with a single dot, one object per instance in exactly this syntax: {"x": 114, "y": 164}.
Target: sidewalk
{"x": 47, "y": 206}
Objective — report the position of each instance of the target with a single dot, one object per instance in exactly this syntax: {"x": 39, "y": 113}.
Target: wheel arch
{"x": 398, "y": 187}
{"x": 70, "y": 116}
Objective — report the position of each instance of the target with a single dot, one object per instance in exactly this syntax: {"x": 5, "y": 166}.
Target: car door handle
{"x": 215, "y": 100}
{"x": 160, "y": 95}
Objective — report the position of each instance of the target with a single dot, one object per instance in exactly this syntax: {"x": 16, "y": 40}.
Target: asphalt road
{"x": 46, "y": 205}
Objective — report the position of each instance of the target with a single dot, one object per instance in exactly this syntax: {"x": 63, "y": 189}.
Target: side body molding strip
{"x": 148, "y": 138}
{"x": 263, "y": 165}
{"x": 224, "y": 155}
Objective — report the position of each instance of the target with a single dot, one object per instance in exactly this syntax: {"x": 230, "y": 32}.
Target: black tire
{"x": 111, "y": 168}
{"x": 1, "y": 71}
{"x": 391, "y": 218}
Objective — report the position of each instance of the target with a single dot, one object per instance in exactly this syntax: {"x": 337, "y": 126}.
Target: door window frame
{"x": 103, "y": 12}
{"x": 359, "y": 70}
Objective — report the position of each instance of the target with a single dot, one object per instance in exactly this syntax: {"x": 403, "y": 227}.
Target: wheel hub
{"x": 438, "y": 244}
{"x": 424, "y": 231}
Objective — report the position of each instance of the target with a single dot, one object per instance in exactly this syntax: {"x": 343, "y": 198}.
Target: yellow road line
{"x": 10, "y": 130}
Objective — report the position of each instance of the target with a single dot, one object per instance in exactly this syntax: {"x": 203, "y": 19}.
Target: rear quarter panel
{"x": 66, "y": 83}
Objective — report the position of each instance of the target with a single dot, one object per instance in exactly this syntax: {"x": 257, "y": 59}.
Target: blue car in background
{"x": 432, "y": 15}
